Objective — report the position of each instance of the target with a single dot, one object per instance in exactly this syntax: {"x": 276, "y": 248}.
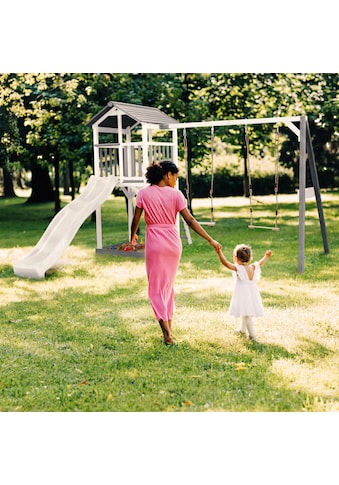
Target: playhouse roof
{"x": 132, "y": 114}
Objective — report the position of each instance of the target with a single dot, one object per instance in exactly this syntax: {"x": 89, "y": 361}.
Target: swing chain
{"x": 247, "y": 161}
{"x": 276, "y": 175}
{"x": 212, "y": 172}
{"x": 186, "y": 163}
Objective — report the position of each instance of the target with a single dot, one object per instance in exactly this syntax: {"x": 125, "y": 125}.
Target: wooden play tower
{"x": 126, "y": 139}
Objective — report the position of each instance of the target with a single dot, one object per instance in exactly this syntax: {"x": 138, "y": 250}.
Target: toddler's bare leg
{"x": 250, "y": 327}
{"x": 243, "y": 327}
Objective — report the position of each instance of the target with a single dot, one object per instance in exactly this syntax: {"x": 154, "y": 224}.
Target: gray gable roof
{"x": 132, "y": 115}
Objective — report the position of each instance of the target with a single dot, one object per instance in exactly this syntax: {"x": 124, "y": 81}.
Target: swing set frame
{"x": 305, "y": 151}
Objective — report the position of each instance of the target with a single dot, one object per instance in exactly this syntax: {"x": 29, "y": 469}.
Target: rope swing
{"x": 276, "y": 182}
{"x": 211, "y": 222}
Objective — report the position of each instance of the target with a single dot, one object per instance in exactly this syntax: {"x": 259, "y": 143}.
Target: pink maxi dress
{"x": 162, "y": 245}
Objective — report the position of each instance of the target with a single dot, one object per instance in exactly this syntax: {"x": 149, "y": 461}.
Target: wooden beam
{"x": 302, "y": 187}
{"x": 247, "y": 121}
{"x": 315, "y": 182}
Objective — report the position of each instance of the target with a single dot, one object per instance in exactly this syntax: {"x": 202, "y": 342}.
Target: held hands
{"x": 217, "y": 246}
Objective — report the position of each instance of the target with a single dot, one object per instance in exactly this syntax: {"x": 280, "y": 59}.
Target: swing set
{"x": 302, "y": 131}
{"x": 276, "y": 182}
{"x": 211, "y": 222}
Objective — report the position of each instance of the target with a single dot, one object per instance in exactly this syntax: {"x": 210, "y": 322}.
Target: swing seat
{"x": 207, "y": 223}
{"x": 251, "y": 226}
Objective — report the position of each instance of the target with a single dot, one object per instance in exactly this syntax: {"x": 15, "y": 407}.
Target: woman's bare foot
{"x": 165, "y": 327}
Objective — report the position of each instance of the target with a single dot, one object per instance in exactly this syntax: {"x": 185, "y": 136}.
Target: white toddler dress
{"x": 246, "y": 300}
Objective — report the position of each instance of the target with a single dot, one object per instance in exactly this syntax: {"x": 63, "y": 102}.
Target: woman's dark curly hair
{"x": 157, "y": 170}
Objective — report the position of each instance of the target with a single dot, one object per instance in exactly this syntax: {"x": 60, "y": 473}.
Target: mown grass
{"x": 85, "y": 338}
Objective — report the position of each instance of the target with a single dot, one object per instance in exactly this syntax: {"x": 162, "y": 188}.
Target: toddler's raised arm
{"x": 267, "y": 256}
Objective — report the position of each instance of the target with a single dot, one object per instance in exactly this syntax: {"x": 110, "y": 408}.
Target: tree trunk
{"x": 57, "y": 203}
{"x": 71, "y": 177}
{"x": 42, "y": 187}
{"x": 69, "y": 183}
{"x": 8, "y": 184}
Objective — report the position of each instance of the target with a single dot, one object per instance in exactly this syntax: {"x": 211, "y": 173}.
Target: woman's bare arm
{"x": 135, "y": 225}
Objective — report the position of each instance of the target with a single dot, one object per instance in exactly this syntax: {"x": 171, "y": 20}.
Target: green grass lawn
{"x": 85, "y": 338}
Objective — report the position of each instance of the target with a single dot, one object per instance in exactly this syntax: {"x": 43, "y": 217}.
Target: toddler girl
{"x": 246, "y": 300}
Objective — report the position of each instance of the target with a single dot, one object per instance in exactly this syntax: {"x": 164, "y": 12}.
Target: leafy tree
{"x": 318, "y": 94}
{"x": 11, "y": 131}
{"x": 271, "y": 95}
{"x": 17, "y": 94}
{"x": 43, "y": 117}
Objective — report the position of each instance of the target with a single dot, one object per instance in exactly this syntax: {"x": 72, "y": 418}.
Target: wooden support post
{"x": 120, "y": 147}
{"x": 130, "y": 211}
{"x": 302, "y": 187}
{"x": 186, "y": 229}
{"x": 97, "y": 172}
{"x": 315, "y": 182}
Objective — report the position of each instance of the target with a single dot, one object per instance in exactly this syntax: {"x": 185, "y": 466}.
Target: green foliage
{"x": 43, "y": 115}
{"x": 85, "y": 338}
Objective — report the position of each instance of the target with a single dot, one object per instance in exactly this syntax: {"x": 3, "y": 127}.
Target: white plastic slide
{"x": 63, "y": 227}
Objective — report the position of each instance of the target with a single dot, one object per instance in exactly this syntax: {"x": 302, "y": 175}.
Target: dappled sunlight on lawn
{"x": 320, "y": 379}
{"x": 289, "y": 325}
{"x": 203, "y": 286}
{"x": 141, "y": 314}
{"x": 74, "y": 271}
{"x": 85, "y": 337}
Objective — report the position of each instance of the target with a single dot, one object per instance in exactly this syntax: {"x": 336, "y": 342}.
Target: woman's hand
{"x": 217, "y": 246}
{"x": 134, "y": 240}
{"x": 135, "y": 225}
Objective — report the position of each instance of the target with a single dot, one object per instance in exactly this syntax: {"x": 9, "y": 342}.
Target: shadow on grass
{"x": 6, "y": 271}
{"x": 80, "y": 352}
{"x": 314, "y": 350}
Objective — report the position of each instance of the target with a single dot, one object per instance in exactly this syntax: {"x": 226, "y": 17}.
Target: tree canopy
{"x": 43, "y": 117}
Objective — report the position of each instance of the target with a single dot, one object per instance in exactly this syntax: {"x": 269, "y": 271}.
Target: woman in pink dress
{"x": 161, "y": 203}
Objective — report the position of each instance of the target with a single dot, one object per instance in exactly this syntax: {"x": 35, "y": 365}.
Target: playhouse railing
{"x": 131, "y": 165}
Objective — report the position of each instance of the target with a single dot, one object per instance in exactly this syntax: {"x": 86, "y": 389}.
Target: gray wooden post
{"x": 302, "y": 187}
{"x": 315, "y": 182}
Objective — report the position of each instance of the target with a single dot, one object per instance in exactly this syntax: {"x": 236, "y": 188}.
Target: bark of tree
{"x": 57, "y": 203}
{"x": 42, "y": 187}
{"x": 69, "y": 182}
{"x": 8, "y": 184}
